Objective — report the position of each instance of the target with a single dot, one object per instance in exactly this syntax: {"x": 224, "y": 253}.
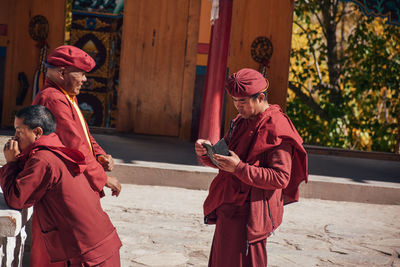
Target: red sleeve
{"x": 277, "y": 173}
{"x": 22, "y": 189}
{"x": 97, "y": 150}
{"x": 72, "y": 137}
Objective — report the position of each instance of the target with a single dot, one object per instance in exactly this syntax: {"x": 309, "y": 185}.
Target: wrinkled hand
{"x": 106, "y": 161}
{"x": 227, "y": 163}
{"x": 114, "y": 185}
{"x": 199, "y": 148}
{"x": 11, "y": 150}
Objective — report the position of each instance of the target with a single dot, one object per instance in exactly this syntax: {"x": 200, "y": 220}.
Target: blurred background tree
{"x": 344, "y": 77}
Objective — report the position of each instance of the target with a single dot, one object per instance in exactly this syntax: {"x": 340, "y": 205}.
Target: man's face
{"x": 73, "y": 80}
{"x": 247, "y": 106}
{"x": 23, "y": 134}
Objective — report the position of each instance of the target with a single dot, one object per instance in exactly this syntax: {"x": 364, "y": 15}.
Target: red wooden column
{"x": 210, "y": 118}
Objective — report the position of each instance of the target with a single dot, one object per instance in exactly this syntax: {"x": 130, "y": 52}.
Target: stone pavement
{"x": 163, "y": 226}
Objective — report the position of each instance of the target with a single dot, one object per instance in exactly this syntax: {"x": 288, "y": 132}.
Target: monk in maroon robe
{"x": 43, "y": 173}
{"x": 267, "y": 163}
{"x": 66, "y": 70}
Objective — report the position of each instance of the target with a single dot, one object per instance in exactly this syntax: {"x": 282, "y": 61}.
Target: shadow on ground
{"x": 171, "y": 150}
{"x": 131, "y": 148}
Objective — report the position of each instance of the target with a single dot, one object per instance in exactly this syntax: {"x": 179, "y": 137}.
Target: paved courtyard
{"x": 163, "y": 226}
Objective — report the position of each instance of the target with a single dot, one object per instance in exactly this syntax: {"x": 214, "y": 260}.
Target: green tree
{"x": 344, "y": 77}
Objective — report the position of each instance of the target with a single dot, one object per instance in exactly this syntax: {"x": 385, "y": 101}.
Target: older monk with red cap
{"x": 66, "y": 68}
{"x": 267, "y": 163}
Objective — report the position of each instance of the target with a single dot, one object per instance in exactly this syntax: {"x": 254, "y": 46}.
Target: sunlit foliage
{"x": 344, "y": 77}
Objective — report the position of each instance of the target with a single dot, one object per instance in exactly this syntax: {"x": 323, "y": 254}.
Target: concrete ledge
{"x": 12, "y": 234}
{"x": 10, "y": 220}
{"x": 164, "y": 174}
{"x": 341, "y": 152}
{"x": 342, "y": 189}
{"x": 197, "y": 177}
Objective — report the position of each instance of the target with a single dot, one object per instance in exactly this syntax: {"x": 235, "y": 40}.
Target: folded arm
{"x": 22, "y": 188}
{"x": 275, "y": 175}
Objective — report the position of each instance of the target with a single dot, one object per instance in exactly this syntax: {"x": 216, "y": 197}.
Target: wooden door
{"x": 22, "y": 51}
{"x": 157, "y": 66}
{"x": 272, "y": 19}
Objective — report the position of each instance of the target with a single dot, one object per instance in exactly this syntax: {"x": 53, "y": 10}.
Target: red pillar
{"x": 210, "y": 119}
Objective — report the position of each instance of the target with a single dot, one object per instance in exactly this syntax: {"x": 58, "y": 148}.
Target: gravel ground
{"x": 163, "y": 226}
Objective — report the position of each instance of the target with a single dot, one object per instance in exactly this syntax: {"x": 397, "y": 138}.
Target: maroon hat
{"x": 68, "y": 55}
{"x": 245, "y": 83}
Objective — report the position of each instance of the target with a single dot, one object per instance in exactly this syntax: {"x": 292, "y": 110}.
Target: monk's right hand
{"x": 199, "y": 148}
{"x": 114, "y": 185}
{"x": 11, "y": 150}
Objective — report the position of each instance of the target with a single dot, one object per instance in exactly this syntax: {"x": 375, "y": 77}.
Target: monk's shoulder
{"x": 275, "y": 118}
{"x": 43, "y": 155}
{"x": 49, "y": 94}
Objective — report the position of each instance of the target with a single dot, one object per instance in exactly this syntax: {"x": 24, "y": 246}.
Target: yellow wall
{"x": 205, "y": 24}
{"x": 204, "y": 30}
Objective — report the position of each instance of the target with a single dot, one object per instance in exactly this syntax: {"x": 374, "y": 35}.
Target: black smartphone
{"x": 220, "y": 148}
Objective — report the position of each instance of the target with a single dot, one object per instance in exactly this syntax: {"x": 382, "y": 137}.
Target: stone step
{"x": 198, "y": 177}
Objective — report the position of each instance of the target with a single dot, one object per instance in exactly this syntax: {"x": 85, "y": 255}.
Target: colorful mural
{"x": 380, "y": 8}
{"x": 100, "y": 36}
{"x": 102, "y": 6}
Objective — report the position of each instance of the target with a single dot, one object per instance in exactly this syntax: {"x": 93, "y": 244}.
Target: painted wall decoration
{"x": 261, "y": 52}
{"x": 103, "y": 6}
{"x": 100, "y": 36}
{"x": 380, "y": 8}
{"x": 39, "y": 30}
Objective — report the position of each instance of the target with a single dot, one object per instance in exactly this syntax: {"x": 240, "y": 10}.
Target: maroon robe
{"x": 49, "y": 176}
{"x": 71, "y": 133}
{"x": 273, "y": 164}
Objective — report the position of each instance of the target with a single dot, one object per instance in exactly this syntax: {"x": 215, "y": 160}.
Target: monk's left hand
{"x": 227, "y": 163}
{"x": 106, "y": 161}
{"x": 114, "y": 185}
{"x": 11, "y": 150}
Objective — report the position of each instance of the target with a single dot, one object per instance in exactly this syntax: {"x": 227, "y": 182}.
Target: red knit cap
{"x": 68, "y": 55}
{"x": 245, "y": 83}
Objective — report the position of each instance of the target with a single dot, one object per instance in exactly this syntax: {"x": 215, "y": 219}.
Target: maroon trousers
{"x": 230, "y": 236}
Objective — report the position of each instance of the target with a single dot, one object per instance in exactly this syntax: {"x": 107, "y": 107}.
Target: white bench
{"x": 12, "y": 234}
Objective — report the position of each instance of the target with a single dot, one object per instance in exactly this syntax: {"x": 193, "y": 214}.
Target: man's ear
{"x": 261, "y": 97}
{"x": 38, "y": 131}
{"x": 61, "y": 72}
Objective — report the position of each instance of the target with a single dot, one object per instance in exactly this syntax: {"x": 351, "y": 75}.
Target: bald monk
{"x": 43, "y": 173}
{"x": 66, "y": 69}
{"x": 267, "y": 163}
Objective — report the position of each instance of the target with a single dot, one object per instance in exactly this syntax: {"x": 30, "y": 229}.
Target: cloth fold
{"x": 74, "y": 159}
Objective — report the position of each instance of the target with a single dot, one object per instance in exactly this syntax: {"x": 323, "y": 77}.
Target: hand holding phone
{"x": 220, "y": 148}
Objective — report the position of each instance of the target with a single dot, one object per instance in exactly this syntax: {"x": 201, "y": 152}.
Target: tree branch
{"x": 322, "y": 26}
{"x": 309, "y": 101}
{"x": 312, "y": 51}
